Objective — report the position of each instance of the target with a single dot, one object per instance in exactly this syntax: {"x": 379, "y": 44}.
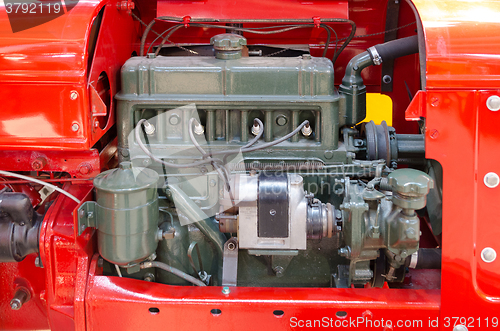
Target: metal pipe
{"x": 410, "y": 144}
{"x": 175, "y": 271}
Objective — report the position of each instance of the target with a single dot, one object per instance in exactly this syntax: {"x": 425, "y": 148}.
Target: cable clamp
{"x": 317, "y": 21}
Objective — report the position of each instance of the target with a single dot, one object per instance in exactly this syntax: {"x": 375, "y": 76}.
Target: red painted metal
{"x": 44, "y": 73}
{"x": 253, "y": 9}
{"x": 416, "y": 109}
{"x": 187, "y": 308}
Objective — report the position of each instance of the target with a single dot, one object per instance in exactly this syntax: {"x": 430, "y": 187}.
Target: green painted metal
{"x": 410, "y": 187}
{"x": 353, "y": 90}
{"x": 126, "y": 214}
{"x": 374, "y": 221}
{"x": 226, "y": 95}
{"x": 198, "y": 218}
{"x": 228, "y": 45}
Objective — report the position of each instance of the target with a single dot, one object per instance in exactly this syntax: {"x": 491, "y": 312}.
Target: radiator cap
{"x": 228, "y": 46}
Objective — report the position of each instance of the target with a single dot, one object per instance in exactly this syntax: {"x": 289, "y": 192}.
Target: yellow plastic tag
{"x": 378, "y": 108}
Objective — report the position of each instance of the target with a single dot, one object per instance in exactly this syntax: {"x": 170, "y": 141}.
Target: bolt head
{"x": 367, "y": 314}
{"x": 491, "y": 180}
{"x": 37, "y": 165}
{"x": 488, "y": 255}
{"x": 434, "y": 134}
{"x": 15, "y": 304}
{"x": 174, "y": 119}
{"x": 493, "y": 103}
{"x": 272, "y": 212}
{"x": 279, "y": 270}
{"x": 75, "y": 127}
{"x": 73, "y": 95}
{"x": 281, "y": 120}
{"x": 85, "y": 169}
{"x": 226, "y": 290}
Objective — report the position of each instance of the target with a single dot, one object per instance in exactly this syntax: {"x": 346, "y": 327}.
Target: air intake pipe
{"x": 353, "y": 88}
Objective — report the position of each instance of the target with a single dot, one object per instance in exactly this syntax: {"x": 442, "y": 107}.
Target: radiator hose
{"x": 353, "y": 89}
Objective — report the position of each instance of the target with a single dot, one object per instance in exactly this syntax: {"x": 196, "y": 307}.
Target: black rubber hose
{"x": 398, "y": 48}
{"x": 429, "y": 258}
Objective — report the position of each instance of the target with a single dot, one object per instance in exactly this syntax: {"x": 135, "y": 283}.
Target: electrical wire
{"x": 347, "y": 41}
{"x": 222, "y": 171}
{"x": 41, "y": 182}
{"x": 161, "y": 35}
{"x": 208, "y": 157}
{"x": 248, "y": 30}
{"x": 118, "y": 271}
{"x": 145, "y": 35}
{"x": 172, "y": 270}
{"x": 265, "y": 145}
{"x": 324, "y": 20}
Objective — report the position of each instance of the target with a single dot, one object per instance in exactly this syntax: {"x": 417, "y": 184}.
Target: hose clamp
{"x": 414, "y": 260}
{"x": 377, "y": 60}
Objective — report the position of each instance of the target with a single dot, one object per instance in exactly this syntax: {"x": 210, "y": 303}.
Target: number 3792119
{"x": 32, "y": 8}
{"x": 471, "y": 322}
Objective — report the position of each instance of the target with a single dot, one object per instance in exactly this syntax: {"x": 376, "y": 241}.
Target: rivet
{"x": 272, "y": 212}
{"x": 75, "y": 127}
{"x": 387, "y": 79}
{"x": 491, "y": 180}
{"x": 493, "y": 103}
{"x": 73, "y": 95}
{"x": 460, "y": 328}
{"x": 488, "y": 255}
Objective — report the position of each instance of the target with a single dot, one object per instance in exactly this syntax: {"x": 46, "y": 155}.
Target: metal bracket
{"x": 230, "y": 263}
{"x": 391, "y": 23}
{"x": 86, "y": 216}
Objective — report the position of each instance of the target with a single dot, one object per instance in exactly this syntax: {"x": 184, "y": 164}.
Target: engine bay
{"x": 256, "y": 171}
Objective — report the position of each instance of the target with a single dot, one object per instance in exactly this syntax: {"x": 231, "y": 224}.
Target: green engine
{"x": 265, "y": 176}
